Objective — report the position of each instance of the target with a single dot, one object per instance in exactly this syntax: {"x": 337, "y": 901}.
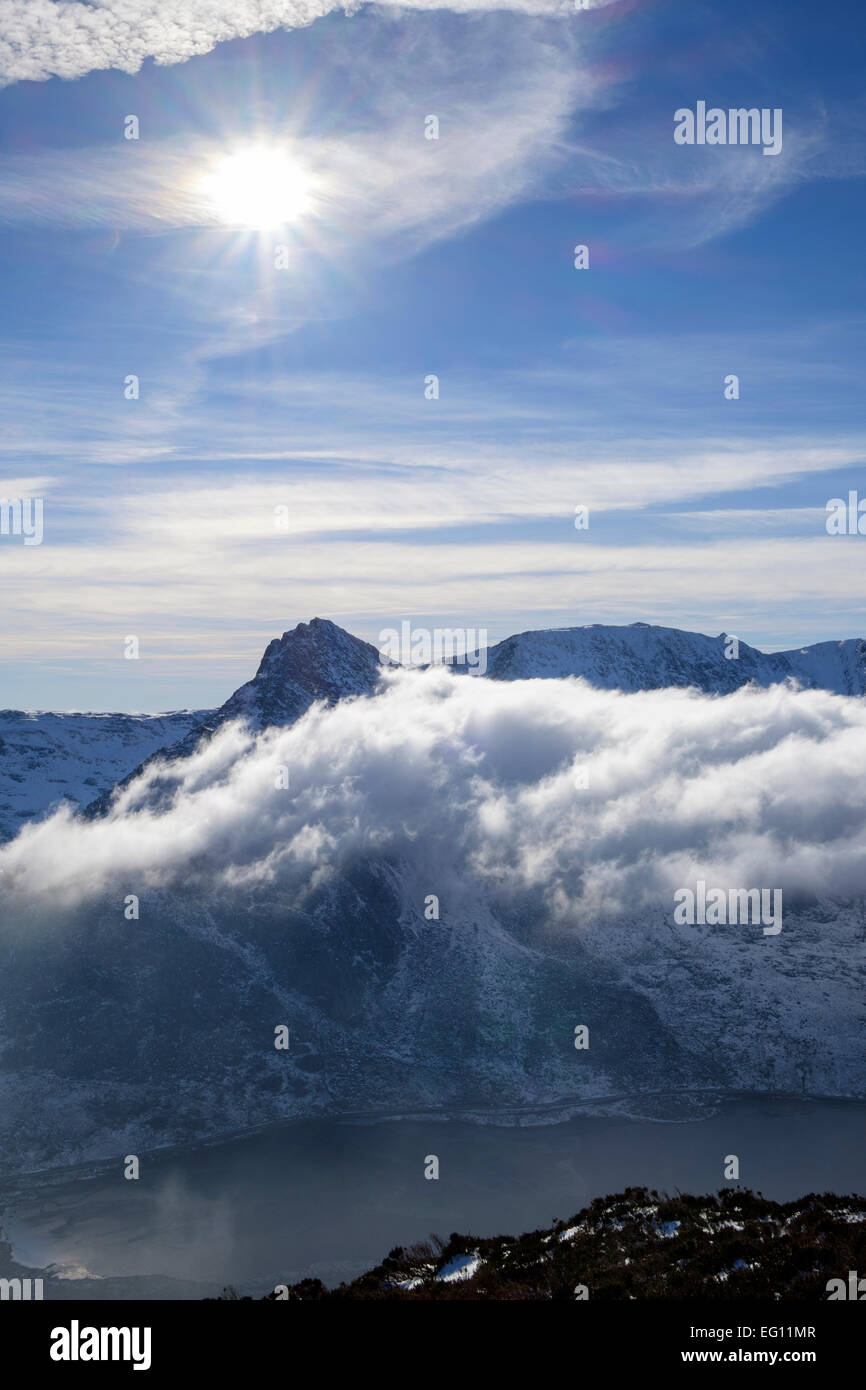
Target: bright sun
{"x": 257, "y": 187}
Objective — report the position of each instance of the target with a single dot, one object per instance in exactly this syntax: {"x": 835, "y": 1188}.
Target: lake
{"x": 329, "y": 1198}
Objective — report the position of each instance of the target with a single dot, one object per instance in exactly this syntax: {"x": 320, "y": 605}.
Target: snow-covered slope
{"x": 49, "y": 758}
{"x": 836, "y": 666}
{"x": 644, "y": 657}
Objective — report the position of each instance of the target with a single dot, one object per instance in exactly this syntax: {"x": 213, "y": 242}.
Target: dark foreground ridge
{"x": 635, "y": 1245}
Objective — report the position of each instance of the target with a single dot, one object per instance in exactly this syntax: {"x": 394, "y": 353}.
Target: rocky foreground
{"x": 635, "y": 1245}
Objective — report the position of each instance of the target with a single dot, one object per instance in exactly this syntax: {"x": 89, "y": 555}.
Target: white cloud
{"x": 64, "y": 38}
{"x": 68, "y": 600}
{"x": 710, "y": 198}
{"x": 472, "y": 781}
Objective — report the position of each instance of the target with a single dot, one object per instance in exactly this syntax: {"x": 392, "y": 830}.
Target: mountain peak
{"x": 313, "y": 661}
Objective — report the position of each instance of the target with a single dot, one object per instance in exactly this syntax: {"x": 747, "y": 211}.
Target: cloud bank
{"x": 476, "y": 782}
{"x": 306, "y": 904}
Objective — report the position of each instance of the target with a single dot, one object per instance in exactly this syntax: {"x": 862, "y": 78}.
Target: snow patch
{"x": 460, "y": 1267}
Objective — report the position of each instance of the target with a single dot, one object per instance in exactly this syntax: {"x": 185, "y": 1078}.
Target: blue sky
{"x": 303, "y": 387}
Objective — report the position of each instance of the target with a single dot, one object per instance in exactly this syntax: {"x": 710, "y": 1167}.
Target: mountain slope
{"x": 314, "y": 661}
{"x": 644, "y": 657}
{"x": 46, "y": 759}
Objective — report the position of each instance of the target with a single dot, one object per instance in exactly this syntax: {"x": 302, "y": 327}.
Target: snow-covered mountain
{"x": 263, "y": 905}
{"x": 321, "y": 661}
{"x": 644, "y": 657}
{"x": 82, "y": 758}
{"x": 46, "y": 759}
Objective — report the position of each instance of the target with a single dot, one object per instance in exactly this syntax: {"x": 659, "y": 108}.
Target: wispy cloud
{"x": 511, "y": 129}
{"x": 79, "y": 601}
{"x": 376, "y": 183}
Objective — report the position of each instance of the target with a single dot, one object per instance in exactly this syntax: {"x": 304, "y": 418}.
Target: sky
{"x": 282, "y": 459}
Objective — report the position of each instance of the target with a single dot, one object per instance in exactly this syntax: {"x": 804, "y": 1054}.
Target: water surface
{"x": 329, "y": 1198}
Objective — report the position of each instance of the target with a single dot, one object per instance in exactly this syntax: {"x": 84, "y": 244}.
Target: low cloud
{"x": 464, "y": 781}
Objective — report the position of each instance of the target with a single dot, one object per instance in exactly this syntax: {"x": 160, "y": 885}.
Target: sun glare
{"x": 257, "y": 187}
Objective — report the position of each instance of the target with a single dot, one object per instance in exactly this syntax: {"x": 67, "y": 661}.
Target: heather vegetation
{"x": 637, "y": 1244}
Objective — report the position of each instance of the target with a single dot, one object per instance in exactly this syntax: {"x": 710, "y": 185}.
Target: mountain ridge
{"x": 645, "y": 656}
